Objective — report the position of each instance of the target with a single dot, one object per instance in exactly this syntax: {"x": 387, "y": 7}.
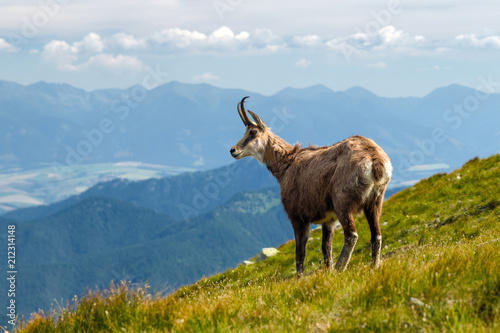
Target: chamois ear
{"x": 259, "y": 122}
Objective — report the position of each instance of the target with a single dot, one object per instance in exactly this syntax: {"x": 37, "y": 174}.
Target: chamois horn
{"x": 242, "y": 112}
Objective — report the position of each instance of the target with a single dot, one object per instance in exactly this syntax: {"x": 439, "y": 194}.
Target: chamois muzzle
{"x": 234, "y": 153}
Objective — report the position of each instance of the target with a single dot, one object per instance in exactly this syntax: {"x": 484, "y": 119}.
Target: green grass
{"x": 441, "y": 246}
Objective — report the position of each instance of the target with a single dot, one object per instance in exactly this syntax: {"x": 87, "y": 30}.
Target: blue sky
{"x": 393, "y": 48}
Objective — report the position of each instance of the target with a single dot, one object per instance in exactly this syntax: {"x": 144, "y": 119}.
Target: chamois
{"x": 322, "y": 184}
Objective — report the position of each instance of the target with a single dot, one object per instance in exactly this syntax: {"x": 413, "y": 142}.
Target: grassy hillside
{"x": 440, "y": 272}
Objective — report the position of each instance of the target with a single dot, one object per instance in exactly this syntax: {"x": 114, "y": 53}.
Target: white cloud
{"x": 87, "y": 53}
{"x": 478, "y": 41}
{"x": 205, "y": 77}
{"x": 60, "y": 53}
{"x": 118, "y": 62}
{"x": 361, "y": 39}
{"x": 303, "y": 63}
{"x": 129, "y": 42}
{"x": 390, "y": 36}
{"x": 226, "y": 34}
{"x": 307, "y": 41}
{"x": 65, "y": 55}
{"x": 58, "y": 46}
{"x": 387, "y": 40}
{"x": 223, "y": 40}
{"x": 180, "y": 38}
{"x": 6, "y": 46}
{"x": 336, "y": 44}
{"x": 91, "y": 43}
{"x": 117, "y": 51}
{"x": 266, "y": 39}
{"x": 176, "y": 39}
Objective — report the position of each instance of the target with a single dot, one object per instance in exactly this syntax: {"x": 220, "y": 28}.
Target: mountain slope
{"x": 93, "y": 225}
{"x": 183, "y": 196}
{"x": 99, "y": 240}
{"x": 439, "y": 273}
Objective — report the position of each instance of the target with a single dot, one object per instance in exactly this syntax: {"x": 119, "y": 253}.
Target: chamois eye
{"x": 253, "y": 132}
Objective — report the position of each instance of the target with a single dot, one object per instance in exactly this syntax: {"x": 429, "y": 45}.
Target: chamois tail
{"x": 381, "y": 171}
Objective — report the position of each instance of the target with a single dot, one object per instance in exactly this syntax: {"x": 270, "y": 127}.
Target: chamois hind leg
{"x": 350, "y": 239}
{"x": 326, "y": 245}
{"x": 301, "y": 236}
{"x": 372, "y": 212}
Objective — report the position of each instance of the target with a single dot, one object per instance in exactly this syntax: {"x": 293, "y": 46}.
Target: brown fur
{"x": 319, "y": 184}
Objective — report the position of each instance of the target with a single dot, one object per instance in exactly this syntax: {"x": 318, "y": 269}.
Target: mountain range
{"x": 193, "y": 126}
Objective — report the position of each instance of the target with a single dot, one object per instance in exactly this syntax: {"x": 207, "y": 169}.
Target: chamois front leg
{"x": 301, "y": 236}
{"x": 326, "y": 245}
{"x": 350, "y": 239}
